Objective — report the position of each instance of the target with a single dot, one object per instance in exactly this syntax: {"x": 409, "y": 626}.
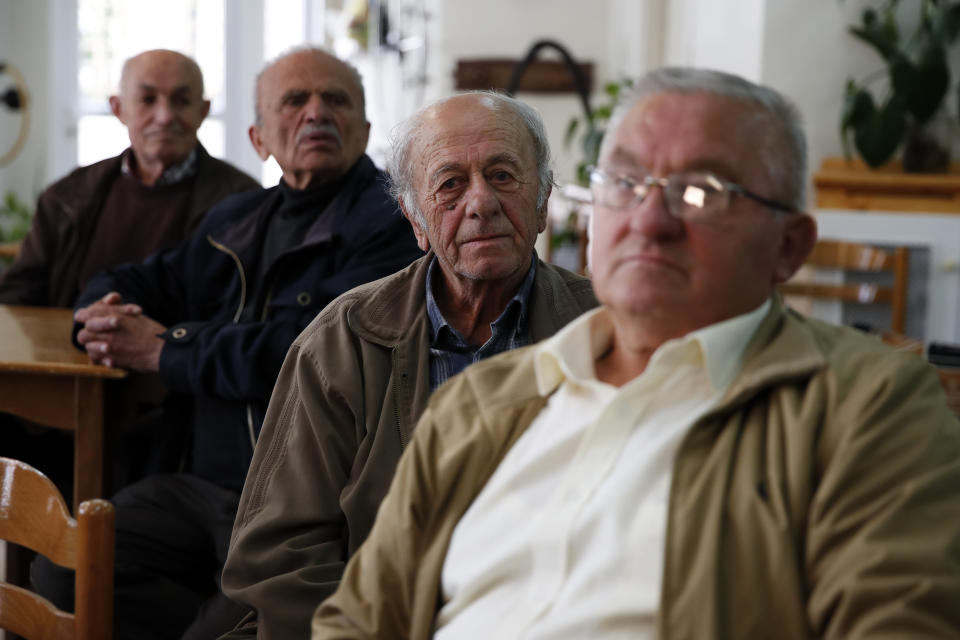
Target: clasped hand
{"x": 117, "y": 334}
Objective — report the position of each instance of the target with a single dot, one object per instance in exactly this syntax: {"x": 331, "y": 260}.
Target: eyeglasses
{"x": 689, "y": 195}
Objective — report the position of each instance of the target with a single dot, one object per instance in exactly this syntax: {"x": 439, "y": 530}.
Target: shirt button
{"x": 304, "y": 299}
{"x": 179, "y": 332}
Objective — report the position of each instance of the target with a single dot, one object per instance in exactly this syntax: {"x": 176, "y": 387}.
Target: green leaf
{"x": 857, "y": 108}
{"x": 612, "y": 89}
{"x": 583, "y": 175}
{"x": 878, "y": 136}
{"x": 602, "y": 112}
{"x": 930, "y": 84}
{"x": 881, "y": 35}
{"x": 857, "y": 105}
{"x": 572, "y": 127}
{"x": 950, "y": 23}
{"x": 591, "y": 145}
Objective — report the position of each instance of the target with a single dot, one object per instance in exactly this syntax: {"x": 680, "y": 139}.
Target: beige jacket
{"x": 820, "y": 498}
{"x": 348, "y": 397}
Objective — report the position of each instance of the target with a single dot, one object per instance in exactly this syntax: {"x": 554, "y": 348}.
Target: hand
{"x": 116, "y": 334}
{"x": 110, "y": 304}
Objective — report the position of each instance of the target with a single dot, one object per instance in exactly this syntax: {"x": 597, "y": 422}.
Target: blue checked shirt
{"x": 450, "y": 353}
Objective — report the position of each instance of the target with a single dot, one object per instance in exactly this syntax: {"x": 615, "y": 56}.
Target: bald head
{"x": 186, "y": 68}
{"x": 161, "y": 103}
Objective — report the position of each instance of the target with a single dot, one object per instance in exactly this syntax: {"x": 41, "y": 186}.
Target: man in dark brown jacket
{"x": 119, "y": 210}
{"x": 126, "y": 208}
{"x": 472, "y": 176}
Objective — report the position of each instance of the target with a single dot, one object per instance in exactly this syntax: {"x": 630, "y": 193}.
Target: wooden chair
{"x": 33, "y": 514}
{"x": 853, "y": 256}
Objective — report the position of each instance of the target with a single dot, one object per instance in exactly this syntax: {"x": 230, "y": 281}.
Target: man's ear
{"x": 256, "y": 139}
{"x": 799, "y": 236}
{"x": 366, "y": 133}
{"x": 206, "y": 110}
{"x": 423, "y": 241}
{"x": 542, "y": 214}
{"x": 115, "y": 108}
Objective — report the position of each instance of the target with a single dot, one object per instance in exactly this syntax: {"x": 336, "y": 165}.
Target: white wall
{"x": 507, "y": 29}
{"x": 808, "y": 55}
{"x": 719, "y": 34}
{"x": 24, "y": 44}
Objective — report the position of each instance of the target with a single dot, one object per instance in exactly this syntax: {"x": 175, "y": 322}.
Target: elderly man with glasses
{"x": 691, "y": 460}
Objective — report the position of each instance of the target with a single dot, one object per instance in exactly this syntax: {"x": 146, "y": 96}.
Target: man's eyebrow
{"x": 500, "y": 158}
{"x": 713, "y": 164}
{"x": 619, "y": 155}
{"x": 718, "y": 165}
{"x": 444, "y": 169}
{"x": 149, "y": 88}
{"x": 292, "y": 93}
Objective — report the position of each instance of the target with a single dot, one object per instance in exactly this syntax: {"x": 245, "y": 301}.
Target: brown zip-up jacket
{"x": 45, "y": 272}
{"x": 349, "y": 394}
{"x": 819, "y": 499}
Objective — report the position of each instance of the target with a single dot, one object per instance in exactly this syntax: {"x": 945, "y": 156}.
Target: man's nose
{"x": 480, "y": 199}
{"x": 162, "y": 111}
{"x": 652, "y": 218}
{"x": 316, "y": 110}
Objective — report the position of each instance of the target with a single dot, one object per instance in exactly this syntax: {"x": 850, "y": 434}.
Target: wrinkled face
{"x": 161, "y": 103}
{"x": 311, "y": 118}
{"x": 683, "y": 275}
{"x": 475, "y": 179}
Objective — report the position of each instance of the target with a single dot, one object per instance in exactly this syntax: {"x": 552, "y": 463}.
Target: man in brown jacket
{"x": 472, "y": 176}
{"x": 126, "y": 208}
{"x": 122, "y": 209}
{"x": 692, "y": 460}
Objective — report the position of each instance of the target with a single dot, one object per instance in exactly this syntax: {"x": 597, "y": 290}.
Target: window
{"x": 110, "y": 31}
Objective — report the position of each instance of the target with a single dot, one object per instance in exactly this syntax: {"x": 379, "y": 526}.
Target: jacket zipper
{"x": 243, "y": 277}
{"x": 236, "y": 320}
{"x": 396, "y": 405}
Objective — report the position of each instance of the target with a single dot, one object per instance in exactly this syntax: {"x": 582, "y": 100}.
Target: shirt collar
{"x": 519, "y": 301}
{"x": 572, "y": 352}
{"x": 171, "y": 175}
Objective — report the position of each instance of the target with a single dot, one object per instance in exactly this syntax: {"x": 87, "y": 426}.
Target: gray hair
{"x": 784, "y": 152}
{"x": 316, "y": 51}
{"x": 405, "y": 134}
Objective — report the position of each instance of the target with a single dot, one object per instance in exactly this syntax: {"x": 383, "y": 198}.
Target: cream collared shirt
{"x": 566, "y": 539}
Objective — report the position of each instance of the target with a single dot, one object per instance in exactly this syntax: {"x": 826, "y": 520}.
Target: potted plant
{"x": 14, "y": 220}
{"x": 917, "y": 80}
{"x": 594, "y": 126}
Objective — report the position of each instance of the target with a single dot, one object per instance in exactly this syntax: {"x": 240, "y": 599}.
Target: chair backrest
{"x": 33, "y": 514}
{"x": 852, "y": 256}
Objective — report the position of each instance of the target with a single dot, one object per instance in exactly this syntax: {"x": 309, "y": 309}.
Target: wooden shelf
{"x": 9, "y": 249}
{"x": 843, "y": 184}
{"x": 541, "y": 76}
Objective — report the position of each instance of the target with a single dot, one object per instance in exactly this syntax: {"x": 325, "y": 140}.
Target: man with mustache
{"x": 691, "y": 460}
{"x": 214, "y": 316}
{"x": 472, "y": 175}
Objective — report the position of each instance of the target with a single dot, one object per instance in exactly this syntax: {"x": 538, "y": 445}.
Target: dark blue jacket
{"x": 225, "y": 341}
